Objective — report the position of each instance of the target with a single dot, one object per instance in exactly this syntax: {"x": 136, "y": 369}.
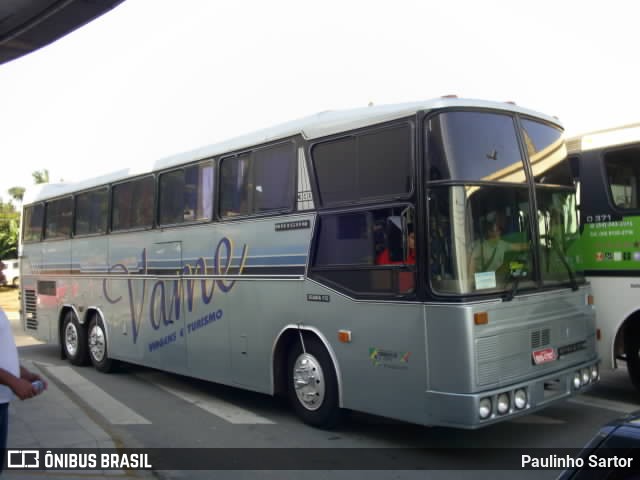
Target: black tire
{"x": 97, "y": 346}
{"x": 632, "y": 354}
{"x": 15, "y": 283}
{"x": 74, "y": 340}
{"x": 322, "y": 411}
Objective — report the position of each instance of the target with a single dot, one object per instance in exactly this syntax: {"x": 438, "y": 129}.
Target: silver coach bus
{"x": 393, "y": 260}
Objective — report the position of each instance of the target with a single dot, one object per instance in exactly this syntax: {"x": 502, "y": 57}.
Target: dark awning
{"x": 26, "y": 25}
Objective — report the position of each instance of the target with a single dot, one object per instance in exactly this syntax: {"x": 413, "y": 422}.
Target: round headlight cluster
{"x": 503, "y": 403}
{"x": 577, "y": 380}
{"x": 586, "y": 376}
{"x": 484, "y": 409}
{"x": 520, "y": 398}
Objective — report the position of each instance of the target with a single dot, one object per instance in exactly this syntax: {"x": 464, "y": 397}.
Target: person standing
{"x": 14, "y": 379}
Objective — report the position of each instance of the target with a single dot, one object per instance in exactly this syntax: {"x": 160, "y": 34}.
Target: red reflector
{"x": 344, "y": 336}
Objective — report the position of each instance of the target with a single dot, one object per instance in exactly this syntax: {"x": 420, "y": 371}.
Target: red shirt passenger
{"x": 384, "y": 257}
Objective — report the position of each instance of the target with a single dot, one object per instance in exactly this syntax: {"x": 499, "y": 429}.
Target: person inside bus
{"x": 393, "y": 254}
{"x": 488, "y": 253}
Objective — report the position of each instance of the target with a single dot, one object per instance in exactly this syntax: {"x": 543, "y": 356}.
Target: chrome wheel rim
{"x": 308, "y": 381}
{"x": 97, "y": 344}
{"x": 71, "y": 339}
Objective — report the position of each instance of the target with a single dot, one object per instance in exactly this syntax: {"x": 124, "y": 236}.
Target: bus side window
{"x": 399, "y": 245}
{"x": 366, "y": 252}
{"x": 234, "y": 188}
{"x": 623, "y": 174}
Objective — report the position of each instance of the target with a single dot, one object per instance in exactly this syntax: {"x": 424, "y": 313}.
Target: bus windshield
{"x": 492, "y": 242}
{"x": 487, "y": 232}
{"x": 559, "y": 234}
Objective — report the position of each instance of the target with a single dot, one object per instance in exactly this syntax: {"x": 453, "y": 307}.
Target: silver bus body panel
{"x": 409, "y": 352}
{"x": 157, "y": 317}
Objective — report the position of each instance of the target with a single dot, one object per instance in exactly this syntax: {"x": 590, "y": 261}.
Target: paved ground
{"x": 53, "y": 420}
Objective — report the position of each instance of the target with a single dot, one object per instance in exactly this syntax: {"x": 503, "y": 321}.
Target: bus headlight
{"x": 586, "y": 376}
{"x": 520, "y": 398}
{"x": 577, "y": 380}
{"x": 485, "y": 408}
{"x": 594, "y": 373}
{"x": 503, "y": 403}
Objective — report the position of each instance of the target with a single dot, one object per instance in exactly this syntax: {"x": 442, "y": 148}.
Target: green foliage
{"x": 10, "y": 217}
{"x": 17, "y": 193}
{"x": 41, "y": 176}
{"x": 9, "y": 226}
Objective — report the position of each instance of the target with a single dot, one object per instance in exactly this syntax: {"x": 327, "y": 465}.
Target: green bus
{"x": 606, "y": 165}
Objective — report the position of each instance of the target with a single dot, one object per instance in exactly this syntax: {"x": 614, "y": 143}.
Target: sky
{"x": 152, "y": 78}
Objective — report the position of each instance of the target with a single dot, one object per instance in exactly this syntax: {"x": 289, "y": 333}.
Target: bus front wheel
{"x": 313, "y": 384}
{"x": 632, "y": 354}
{"x": 97, "y": 343}
{"x": 74, "y": 340}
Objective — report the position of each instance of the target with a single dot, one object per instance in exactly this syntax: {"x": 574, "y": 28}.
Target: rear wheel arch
{"x": 628, "y": 337}
{"x": 73, "y": 337}
{"x": 623, "y": 329}
{"x": 61, "y": 318}
{"x": 98, "y": 346}
{"x": 94, "y": 312}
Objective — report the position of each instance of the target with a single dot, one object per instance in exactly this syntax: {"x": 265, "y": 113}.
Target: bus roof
{"x": 604, "y": 138}
{"x": 312, "y": 127}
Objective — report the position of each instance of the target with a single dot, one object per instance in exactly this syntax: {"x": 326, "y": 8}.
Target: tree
{"x": 17, "y": 193}
{"x": 41, "y": 176}
{"x": 9, "y": 221}
{"x": 10, "y": 217}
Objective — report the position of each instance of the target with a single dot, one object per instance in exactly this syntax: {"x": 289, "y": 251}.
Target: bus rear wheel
{"x": 313, "y": 384}
{"x": 97, "y": 343}
{"x": 632, "y": 354}
{"x": 74, "y": 340}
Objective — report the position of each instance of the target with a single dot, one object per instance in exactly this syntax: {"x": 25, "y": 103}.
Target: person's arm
{"x": 518, "y": 246}
{"x": 20, "y": 386}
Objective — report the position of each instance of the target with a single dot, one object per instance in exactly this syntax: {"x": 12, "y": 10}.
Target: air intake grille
{"x": 30, "y": 302}
{"x": 539, "y": 338}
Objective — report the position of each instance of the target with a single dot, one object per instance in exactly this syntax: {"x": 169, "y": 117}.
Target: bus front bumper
{"x": 480, "y": 409}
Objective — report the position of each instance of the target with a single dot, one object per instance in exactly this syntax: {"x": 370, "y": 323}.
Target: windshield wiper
{"x": 515, "y": 278}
